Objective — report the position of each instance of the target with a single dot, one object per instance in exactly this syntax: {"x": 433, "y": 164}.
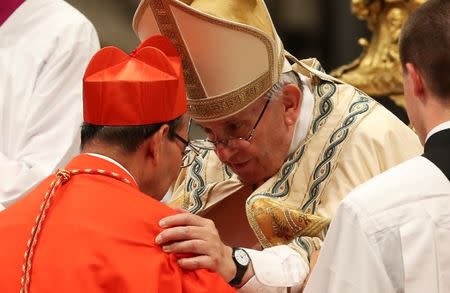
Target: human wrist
{"x": 278, "y": 266}
{"x": 250, "y": 273}
{"x": 242, "y": 264}
{"x": 229, "y": 267}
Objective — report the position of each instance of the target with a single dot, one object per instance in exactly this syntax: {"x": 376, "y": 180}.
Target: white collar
{"x": 438, "y": 128}
{"x": 111, "y": 161}
{"x": 306, "y": 114}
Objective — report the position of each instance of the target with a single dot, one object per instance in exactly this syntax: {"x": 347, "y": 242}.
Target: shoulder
{"x": 382, "y": 137}
{"x": 382, "y": 126}
{"x": 381, "y": 121}
{"x": 144, "y": 205}
{"x": 61, "y": 10}
{"x": 118, "y": 198}
{"x": 407, "y": 182}
{"x": 59, "y": 19}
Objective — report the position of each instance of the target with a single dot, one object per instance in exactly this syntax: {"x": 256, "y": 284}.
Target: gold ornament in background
{"x": 377, "y": 71}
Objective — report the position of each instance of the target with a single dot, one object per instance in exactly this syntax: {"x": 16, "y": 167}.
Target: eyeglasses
{"x": 189, "y": 153}
{"x": 230, "y": 142}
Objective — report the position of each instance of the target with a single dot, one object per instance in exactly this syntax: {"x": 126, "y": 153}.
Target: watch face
{"x": 241, "y": 257}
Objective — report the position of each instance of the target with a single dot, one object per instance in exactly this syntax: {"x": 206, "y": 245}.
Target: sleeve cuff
{"x": 277, "y": 267}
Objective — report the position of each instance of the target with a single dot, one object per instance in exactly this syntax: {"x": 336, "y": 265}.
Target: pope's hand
{"x": 186, "y": 233}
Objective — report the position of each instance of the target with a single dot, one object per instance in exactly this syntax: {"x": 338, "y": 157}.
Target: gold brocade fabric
{"x": 280, "y": 223}
{"x": 351, "y": 139}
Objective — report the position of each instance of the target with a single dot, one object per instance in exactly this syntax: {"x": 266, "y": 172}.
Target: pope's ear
{"x": 291, "y": 99}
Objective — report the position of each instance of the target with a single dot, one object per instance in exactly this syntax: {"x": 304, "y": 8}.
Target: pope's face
{"x": 256, "y": 160}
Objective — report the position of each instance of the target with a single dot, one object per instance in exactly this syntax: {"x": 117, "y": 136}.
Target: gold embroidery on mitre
{"x": 225, "y": 105}
{"x": 222, "y": 106}
{"x": 276, "y": 223}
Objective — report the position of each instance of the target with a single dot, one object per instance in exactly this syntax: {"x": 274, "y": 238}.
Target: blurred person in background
{"x": 45, "y": 46}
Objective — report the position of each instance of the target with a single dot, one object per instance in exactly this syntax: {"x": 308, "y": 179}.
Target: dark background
{"x": 324, "y": 29}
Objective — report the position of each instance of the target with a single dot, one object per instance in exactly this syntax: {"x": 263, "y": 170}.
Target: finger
{"x": 189, "y": 246}
{"x": 181, "y": 234}
{"x": 184, "y": 219}
{"x": 198, "y": 262}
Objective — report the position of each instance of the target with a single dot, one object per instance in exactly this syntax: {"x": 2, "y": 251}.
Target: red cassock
{"x": 97, "y": 236}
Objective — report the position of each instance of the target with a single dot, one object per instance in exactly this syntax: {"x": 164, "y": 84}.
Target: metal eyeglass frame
{"x": 225, "y": 142}
{"x": 188, "y": 147}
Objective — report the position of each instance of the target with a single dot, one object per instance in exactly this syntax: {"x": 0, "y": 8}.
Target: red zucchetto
{"x": 145, "y": 87}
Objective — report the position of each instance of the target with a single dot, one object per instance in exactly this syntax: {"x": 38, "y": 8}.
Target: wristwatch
{"x": 242, "y": 261}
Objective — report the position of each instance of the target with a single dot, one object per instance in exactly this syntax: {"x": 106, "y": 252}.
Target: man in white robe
{"x": 392, "y": 233}
{"x": 45, "y": 46}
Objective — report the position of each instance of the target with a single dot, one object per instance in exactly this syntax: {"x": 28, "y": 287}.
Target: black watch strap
{"x": 241, "y": 265}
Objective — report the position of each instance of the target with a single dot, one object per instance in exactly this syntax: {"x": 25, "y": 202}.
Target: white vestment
{"x": 343, "y": 139}
{"x": 391, "y": 234}
{"x": 45, "y": 46}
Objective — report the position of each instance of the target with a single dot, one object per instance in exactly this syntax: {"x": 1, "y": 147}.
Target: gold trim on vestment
{"x": 277, "y": 217}
{"x": 279, "y": 223}
{"x": 267, "y": 213}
